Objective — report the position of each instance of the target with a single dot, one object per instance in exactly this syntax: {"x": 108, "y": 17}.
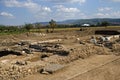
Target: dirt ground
{"x": 29, "y": 54}
{"x": 97, "y": 67}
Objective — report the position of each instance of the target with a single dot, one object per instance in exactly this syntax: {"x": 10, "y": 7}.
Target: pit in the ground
{"x": 6, "y": 53}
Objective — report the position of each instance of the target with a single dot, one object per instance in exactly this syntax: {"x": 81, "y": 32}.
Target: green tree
{"x": 38, "y": 26}
{"x": 98, "y": 24}
{"x": 104, "y": 23}
{"x": 52, "y": 24}
{"x": 28, "y": 27}
{"x": 2, "y": 28}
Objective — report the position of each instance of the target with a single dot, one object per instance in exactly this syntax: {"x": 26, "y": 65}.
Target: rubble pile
{"x": 18, "y": 69}
{"x": 116, "y": 49}
{"x": 83, "y": 51}
{"x": 38, "y": 34}
{"x": 108, "y": 42}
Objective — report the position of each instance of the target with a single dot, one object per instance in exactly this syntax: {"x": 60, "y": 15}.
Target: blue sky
{"x": 18, "y": 12}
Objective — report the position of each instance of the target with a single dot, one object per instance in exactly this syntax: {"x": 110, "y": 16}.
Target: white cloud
{"x": 104, "y": 9}
{"x": 116, "y": 0}
{"x": 114, "y": 14}
{"x": 67, "y": 1}
{"x": 63, "y": 13}
{"x": 61, "y": 8}
{"x": 47, "y": 9}
{"x": 77, "y": 1}
{"x": 28, "y": 4}
{"x": 12, "y": 3}
{"x": 103, "y": 15}
{"x": 5, "y": 14}
{"x": 44, "y": 12}
{"x": 16, "y": 3}
{"x": 107, "y": 12}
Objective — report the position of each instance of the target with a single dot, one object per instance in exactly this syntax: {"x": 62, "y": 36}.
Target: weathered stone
{"x": 51, "y": 68}
{"x": 21, "y": 62}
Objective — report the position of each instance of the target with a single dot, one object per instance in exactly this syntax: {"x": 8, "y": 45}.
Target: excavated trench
{"x": 50, "y": 48}
{"x": 6, "y": 53}
{"x": 107, "y": 32}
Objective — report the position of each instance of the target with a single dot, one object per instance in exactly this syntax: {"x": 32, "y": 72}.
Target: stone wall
{"x": 16, "y": 71}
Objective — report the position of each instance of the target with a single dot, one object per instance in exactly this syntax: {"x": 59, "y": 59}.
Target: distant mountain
{"x": 92, "y": 21}
{"x": 87, "y": 21}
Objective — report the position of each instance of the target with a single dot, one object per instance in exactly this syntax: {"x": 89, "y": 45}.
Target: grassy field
{"x": 61, "y": 29}
{"x": 11, "y": 32}
{"x": 78, "y": 28}
{"x": 56, "y": 29}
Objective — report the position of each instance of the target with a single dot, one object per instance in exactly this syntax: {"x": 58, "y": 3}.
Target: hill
{"x": 92, "y": 21}
{"x": 88, "y": 21}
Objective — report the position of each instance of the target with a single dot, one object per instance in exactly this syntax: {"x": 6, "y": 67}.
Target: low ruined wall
{"x": 14, "y": 72}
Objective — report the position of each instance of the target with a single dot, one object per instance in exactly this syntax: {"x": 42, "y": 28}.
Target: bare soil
{"x": 25, "y": 55}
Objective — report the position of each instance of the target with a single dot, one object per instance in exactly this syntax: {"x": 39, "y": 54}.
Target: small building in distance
{"x": 85, "y": 25}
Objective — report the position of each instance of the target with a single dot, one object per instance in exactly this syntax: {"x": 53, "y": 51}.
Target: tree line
{"x": 49, "y": 28}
